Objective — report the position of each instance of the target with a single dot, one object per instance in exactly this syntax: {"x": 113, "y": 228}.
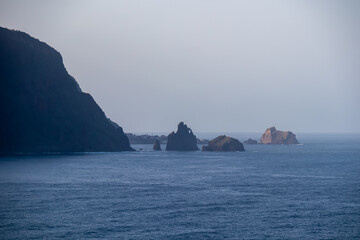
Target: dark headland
{"x": 43, "y": 108}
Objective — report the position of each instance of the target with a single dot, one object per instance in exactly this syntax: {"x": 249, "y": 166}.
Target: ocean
{"x": 306, "y": 191}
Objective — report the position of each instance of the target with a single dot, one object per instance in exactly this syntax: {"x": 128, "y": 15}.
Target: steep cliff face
{"x": 43, "y": 108}
{"x": 274, "y": 136}
{"x": 182, "y": 140}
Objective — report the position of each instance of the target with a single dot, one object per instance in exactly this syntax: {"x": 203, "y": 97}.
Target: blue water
{"x": 309, "y": 191}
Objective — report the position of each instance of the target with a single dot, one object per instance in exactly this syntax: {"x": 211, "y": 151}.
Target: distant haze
{"x": 231, "y": 66}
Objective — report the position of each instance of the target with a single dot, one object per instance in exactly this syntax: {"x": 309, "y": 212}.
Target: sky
{"x": 219, "y": 66}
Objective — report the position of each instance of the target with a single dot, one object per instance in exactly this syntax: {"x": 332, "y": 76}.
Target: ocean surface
{"x": 306, "y": 191}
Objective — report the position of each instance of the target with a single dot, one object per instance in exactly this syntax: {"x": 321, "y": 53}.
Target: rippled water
{"x": 309, "y": 191}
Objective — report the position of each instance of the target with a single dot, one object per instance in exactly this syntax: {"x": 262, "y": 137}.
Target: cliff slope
{"x": 43, "y": 108}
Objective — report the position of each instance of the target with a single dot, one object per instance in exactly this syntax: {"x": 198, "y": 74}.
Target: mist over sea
{"x": 306, "y": 191}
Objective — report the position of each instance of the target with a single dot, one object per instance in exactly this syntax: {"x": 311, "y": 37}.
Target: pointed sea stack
{"x": 182, "y": 140}
{"x": 43, "y": 109}
{"x": 156, "y": 146}
{"x": 224, "y": 144}
{"x": 274, "y": 136}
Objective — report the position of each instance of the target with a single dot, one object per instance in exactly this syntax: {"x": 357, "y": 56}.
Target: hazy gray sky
{"x": 217, "y": 65}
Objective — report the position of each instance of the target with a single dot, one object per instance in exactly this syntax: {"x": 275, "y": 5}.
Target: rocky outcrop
{"x": 43, "y": 108}
{"x": 224, "y": 144}
{"x": 250, "y": 141}
{"x": 274, "y": 136}
{"x": 156, "y": 146}
{"x": 182, "y": 140}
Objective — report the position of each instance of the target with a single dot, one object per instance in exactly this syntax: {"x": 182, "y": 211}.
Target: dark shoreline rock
{"x": 183, "y": 140}
{"x": 224, "y": 144}
{"x": 43, "y": 107}
{"x": 156, "y": 146}
{"x": 274, "y": 136}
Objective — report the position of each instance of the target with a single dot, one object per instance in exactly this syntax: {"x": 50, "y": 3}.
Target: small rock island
{"x": 224, "y": 144}
{"x": 183, "y": 140}
{"x": 274, "y": 136}
{"x": 156, "y": 146}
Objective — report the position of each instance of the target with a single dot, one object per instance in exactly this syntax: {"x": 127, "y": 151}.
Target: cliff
{"x": 274, "y": 136}
{"x": 182, "y": 140}
{"x": 43, "y": 108}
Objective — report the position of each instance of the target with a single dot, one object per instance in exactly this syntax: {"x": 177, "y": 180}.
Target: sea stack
{"x": 224, "y": 144}
{"x": 43, "y": 107}
{"x": 156, "y": 146}
{"x": 182, "y": 140}
{"x": 274, "y": 136}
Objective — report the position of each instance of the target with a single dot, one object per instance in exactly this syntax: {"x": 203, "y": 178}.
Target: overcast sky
{"x": 231, "y": 66}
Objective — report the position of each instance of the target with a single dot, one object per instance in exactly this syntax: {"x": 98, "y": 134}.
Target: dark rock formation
{"x": 182, "y": 140}
{"x": 250, "y": 141}
{"x": 273, "y": 136}
{"x": 43, "y": 108}
{"x": 156, "y": 145}
{"x": 224, "y": 144}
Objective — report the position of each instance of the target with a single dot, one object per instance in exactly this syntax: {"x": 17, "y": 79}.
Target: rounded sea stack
{"x": 224, "y": 144}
